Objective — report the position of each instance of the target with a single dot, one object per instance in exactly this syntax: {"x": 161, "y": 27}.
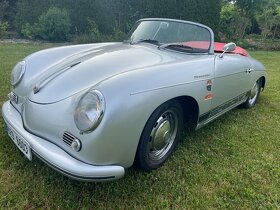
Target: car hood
{"x": 55, "y": 74}
{"x": 81, "y": 70}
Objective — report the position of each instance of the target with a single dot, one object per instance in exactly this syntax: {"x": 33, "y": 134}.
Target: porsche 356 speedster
{"x": 91, "y": 111}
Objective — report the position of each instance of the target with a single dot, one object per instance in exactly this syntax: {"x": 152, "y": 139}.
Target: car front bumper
{"x": 56, "y": 157}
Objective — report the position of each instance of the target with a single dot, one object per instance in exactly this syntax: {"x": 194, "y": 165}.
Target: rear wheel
{"x": 254, "y": 95}
{"x": 160, "y": 136}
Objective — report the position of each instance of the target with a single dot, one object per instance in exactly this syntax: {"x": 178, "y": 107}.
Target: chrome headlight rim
{"x": 100, "y": 112}
{"x": 22, "y": 66}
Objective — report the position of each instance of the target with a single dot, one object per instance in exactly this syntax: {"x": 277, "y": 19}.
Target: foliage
{"x": 206, "y": 12}
{"x": 3, "y": 29}
{"x": 258, "y": 43}
{"x": 92, "y": 34}
{"x": 250, "y": 7}
{"x": 232, "y": 19}
{"x": 232, "y": 163}
{"x": 115, "y": 18}
{"x": 54, "y": 25}
{"x": 3, "y": 8}
{"x": 233, "y": 23}
{"x": 118, "y": 34}
{"x": 29, "y": 31}
{"x": 28, "y": 11}
{"x": 250, "y": 16}
{"x": 269, "y": 22}
{"x": 93, "y": 31}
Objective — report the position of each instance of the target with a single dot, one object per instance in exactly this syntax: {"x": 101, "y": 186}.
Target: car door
{"x": 231, "y": 82}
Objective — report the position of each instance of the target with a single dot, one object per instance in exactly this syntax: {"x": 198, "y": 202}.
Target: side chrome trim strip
{"x": 221, "y": 109}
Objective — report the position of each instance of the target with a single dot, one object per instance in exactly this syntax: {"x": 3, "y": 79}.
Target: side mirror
{"x": 228, "y": 48}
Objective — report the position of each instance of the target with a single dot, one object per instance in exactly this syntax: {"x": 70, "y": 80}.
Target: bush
{"x": 92, "y": 34}
{"x": 244, "y": 43}
{"x": 30, "y": 31}
{"x": 93, "y": 31}
{"x": 253, "y": 36}
{"x": 27, "y": 31}
{"x": 261, "y": 44}
{"x": 269, "y": 22}
{"x": 3, "y": 29}
{"x": 118, "y": 35}
{"x": 54, "y": 25}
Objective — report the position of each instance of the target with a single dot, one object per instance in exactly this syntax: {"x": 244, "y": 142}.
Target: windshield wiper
{"x": 151, "y": 41}
{"x": 178, "y": 45}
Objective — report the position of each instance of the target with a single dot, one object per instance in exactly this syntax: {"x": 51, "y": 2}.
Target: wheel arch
{"x": 190, "y": 109}
{"x": 263, "y": 82}
{"x": 190, "y": 114}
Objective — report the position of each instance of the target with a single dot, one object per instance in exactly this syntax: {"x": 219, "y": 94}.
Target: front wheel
{"x": 160, "y": 136}
{"x": 254, "y": 95}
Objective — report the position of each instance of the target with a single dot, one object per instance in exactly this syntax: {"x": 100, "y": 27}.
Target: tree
{"x": 3, "y": 28}
{"x": 3, "y": 8}
{"x": 54, "y": 24}
{"x": 269, "y": 22}
{"x": 28, "y": 11}
{"x": 233, "y": 23}
{"x": 117, "y": 16}
{"x": 250, "y": 7}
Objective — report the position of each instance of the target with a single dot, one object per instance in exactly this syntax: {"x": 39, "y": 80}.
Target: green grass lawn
{"x": 233, "y": 163}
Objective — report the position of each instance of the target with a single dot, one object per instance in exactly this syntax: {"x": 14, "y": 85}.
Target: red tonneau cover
{"x": 218, "y": 47}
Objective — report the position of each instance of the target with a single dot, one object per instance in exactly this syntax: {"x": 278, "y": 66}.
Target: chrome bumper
{"x": 56, "y": 157}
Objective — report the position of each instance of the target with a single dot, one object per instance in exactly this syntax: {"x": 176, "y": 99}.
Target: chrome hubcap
{"x": 254, "y": 94}
{"x": 163, "y": 135}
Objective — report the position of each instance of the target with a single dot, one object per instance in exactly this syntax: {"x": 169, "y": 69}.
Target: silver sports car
{"x": 90, "y": 111}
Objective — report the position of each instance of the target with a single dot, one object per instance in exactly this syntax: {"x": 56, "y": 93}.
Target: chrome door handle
{"x": 249, "y": 70}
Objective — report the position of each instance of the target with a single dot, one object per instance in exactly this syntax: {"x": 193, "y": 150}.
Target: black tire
{"x": 160, "y": 136}
{"x": 254, "y": 95}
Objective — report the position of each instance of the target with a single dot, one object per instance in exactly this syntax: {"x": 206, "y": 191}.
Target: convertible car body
{"x": 90, "y": 111}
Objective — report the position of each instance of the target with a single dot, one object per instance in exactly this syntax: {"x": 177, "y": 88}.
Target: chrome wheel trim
{"x": 254, "y": 94}
{"x": 163, "y": 135}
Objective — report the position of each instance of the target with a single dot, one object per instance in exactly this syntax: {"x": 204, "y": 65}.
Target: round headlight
{"x": 89, "y": 111}
{"x": 17, "y": 73}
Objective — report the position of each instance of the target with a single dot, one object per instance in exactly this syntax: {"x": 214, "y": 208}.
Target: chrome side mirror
{"x": 228, "y": 48}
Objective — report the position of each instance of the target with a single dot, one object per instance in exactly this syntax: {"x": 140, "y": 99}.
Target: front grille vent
{"x": 14, "y": 98}
{"x": 68, "y": 138}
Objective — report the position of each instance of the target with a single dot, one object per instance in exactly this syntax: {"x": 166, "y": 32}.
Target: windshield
{"x": 173, "y": 35}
